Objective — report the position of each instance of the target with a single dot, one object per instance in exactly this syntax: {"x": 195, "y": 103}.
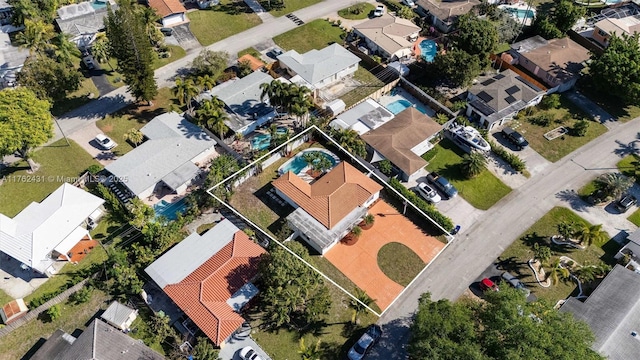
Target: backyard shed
{"x": 119, "y": 316}
{"x": 13, "y": 310}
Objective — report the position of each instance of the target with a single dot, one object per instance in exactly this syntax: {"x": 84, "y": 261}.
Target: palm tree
{"x": 151, "y": 18}
{"x": 100, "y": 48}
{"x": 473, "y": 164}
{"x": 299, "y": 103}
{"x": 350, "y": 140}
{"x": 541, "y": 253}
{"x": 359, "y": 306}
{"x": 212, "y": 115}
{"x": 557, "y": 272}
{"x": 65, "y": 48}
{"x": 586, "y": 273}
{"x": 369, "y": 219}
{"x": 35, "y": 36}
{"x": 277, "y": 92}
{"x": 567, "y": 229}
{"x": 592, "y": 235}
{"x": 317, "y": 161}
{"x": 615, "y": 184}
{"x": 134, "y": 135}
{"x": 205, "y": 82}
{"x": 356, "y": 231}
{"x": 185, "y": 90}
{"x": 308, "y": 352}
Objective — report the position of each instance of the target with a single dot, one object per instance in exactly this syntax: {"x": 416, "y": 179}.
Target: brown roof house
{"x": 209, "y": 278}
{"x": 443, "y": 13}
{"x": 496, "y": 99}
{"x": 171, "y": 12}
{"x": 402, "y": 141}
{"x": 556, "y": 62}
{"x": 328, "y": 208}
{"x": 388, "y": 36}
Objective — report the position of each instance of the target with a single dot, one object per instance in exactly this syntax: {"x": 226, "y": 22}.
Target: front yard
{"x": 116, "y": 126}
{"x": 611, "y": 104}
{"x": 357, "y": 11}
{"x": 289, "y": 6}
{"x": 221, "y": 21}
{"x": 83, "y": 95}
{"x": 314, "y": 35}
{"x": 176, "y": 52}
{"x": 515, "y": 257}
{"x": 481, "y": 192}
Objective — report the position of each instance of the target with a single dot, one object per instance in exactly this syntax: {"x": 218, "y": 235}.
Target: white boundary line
{"x": 371, "y": 173}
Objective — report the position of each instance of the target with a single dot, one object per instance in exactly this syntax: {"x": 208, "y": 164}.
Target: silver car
{"x": 428, "y": 193}
{"x": 105, "y": 142}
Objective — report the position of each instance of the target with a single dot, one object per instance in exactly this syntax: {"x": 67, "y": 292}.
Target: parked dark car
{"x": 625, "y": 203}
{"x": 515, "y": 138}
{"x": 365, "y": 343}
{"x": 516, "y": 283}
{"x": 442, "y": 184}
{"x": 166, "y": 31}
{"x": 88, "y": 62}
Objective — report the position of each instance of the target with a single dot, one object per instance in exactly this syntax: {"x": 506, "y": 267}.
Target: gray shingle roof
{"x": 612, "y": 312}
{"x": 316, "y": 65}
{"x": 79, "y": 19}
{"x": 173, "y": 142}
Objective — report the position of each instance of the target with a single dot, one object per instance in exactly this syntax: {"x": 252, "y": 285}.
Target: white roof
{"x": 317, "y": 65}
{"x": 117, "y": 314}
{"x": 190, "y": 253}
{"x": 41, "y": 227}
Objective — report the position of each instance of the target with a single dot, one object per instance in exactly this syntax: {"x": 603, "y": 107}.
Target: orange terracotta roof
{"x": 167, "y": 7}
{"x": 203, "y": 294}
{"x": 14, "y": 309}
{"x": 253, "y": 62}
{"x": 333, "y": 196}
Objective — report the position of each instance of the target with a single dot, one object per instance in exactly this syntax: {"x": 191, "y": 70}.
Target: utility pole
{"x": 62, "y": 132}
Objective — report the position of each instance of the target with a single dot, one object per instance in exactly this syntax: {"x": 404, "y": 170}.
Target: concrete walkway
{"x": 591, "y": 108}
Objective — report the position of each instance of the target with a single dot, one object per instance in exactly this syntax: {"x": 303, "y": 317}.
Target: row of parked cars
{"x": 487, "y": 284}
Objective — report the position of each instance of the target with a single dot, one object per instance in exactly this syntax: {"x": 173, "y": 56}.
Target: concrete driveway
{"x": 183, "y": 35}
{"x": 536, "y": 164}
{"x": 85, "y": 137}
{"x": 588, "y": 106}
{"x": 240, "y": 339}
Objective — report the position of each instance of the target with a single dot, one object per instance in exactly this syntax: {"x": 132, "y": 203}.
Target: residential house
{"x": 83, "y": 21}
{"x": 98, "y": 341}
{"x": 557, "y": 62}
{"x": 43, "y": 234}
{"x": 605, "y": 28}
{"x": 388, "y": 36}
{"x": 13, "y": 310}
{"x": 327, "y": 209}
{"x": 170, "y": 158}
{"x": 171, "y": 12}
{"x": 363, "y": 117}
{"x": 612, "y": 311}
{"x": 119, "y": 316}
{"x": 631, "y": 250}
{"x": 496, "y": 99}
{"x": 242, "y": 101}
{"x": 442, "y": 13}
{"x": 209, "y": 278}
{"x": 6, "y": 12}
{"x": 403, "y": 141}
{"x": 320, "y": 68}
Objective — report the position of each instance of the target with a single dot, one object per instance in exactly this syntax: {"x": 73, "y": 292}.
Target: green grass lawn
{"x": 635, "y": 217}
{"x": 113, "y": 76}
{"x": 221, "y": 21}
{"x": 83, "y": 95}
{"x": 588, "y": 189}
{"x": 115, "y": 126}
{"x": 627, "y": 165}
{"x": 402, "y": 272}
{"x": 251, "y": 51}
{"x": 314, "y": 35}
{"x": 4, "y": 298}
{"x": 357, "y": 11}
{"x": 521, "y": 250}
{"x": 556, "y": 149}
{"x": 20, "y": 341}
{"x": 289, "y": 6}
{"x": 366, "y": 78}
{"x": 481, "y": 192}
{"x": 58, "y": 162}
{"x": 176, "y": 53}
{"x": 143, "y": 331}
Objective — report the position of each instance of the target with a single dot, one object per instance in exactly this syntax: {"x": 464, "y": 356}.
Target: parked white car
{"x": 247, "y": 353}
{"x": 105, "y": 142}
{"x": 409, "y": 3}
{"x": 379, "y": 11}
{"x": 428, "y": 193}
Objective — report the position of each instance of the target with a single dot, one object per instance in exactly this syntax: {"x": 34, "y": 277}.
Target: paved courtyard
{"x": 359, "y": 262}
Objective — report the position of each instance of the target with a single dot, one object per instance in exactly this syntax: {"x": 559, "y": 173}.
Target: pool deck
{"x": 402, "y": 94}
{"x": 521, "y": 6}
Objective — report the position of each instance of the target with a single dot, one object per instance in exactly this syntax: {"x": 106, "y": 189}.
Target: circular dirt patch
{"x": 399, "y": 263}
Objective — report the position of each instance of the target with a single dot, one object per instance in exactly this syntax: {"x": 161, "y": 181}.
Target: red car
{"x": 487, "y": 284}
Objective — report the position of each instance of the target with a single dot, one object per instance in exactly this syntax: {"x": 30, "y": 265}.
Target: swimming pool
{"x": 281, "y": 130}
{"x": 297, "y": 164}
{"x": 398, "y": 106}
{"x": 261, "y": 141}
{"x": 428, "y": 50}
{"x": 170, "y": 210}
{"x": 520, "y": 13}
{"x": 99, "y": 4}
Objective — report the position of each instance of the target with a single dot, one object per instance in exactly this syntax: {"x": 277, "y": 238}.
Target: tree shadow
{"x": 630, "y": 148}
{"x": 392, "y": 345}
{"x": 574, "y": 200}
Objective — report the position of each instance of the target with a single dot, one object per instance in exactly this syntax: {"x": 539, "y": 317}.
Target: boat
{"x": 469, "y": 136}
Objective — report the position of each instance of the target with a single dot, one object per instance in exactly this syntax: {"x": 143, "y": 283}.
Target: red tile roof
{"x": 333, "y": 196}
{"x": 167, "y": 7}
{"x": 202, "y": 295}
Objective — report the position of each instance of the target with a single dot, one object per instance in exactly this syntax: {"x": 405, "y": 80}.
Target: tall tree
{"x": 25, "y": 123}
{"x": 48, "y": 78}
{"x": 212, "y": 115}
{"x": 134, "y": 135}
{"x": 65, "y": 49}
{"x": 205, "y": 82}
{"x": 100, "y": 48}
{"x": 350, "y": 140}
{"x": 476, "y": 36}
{"x": 204, "y": 350}
{"x": 210, "y": 62}
{"x": 359, "y": 306}
{"x": 35, "y": 36}
{"x": 592, "y": 234}
{"x": 126, "y": 30}
{"x": 566, "y": 13}
{"x": 449, "y": 66}
{"x": 617, "y": 70}
{"x": 473, "y": 164}
{"x": 185, "y": 90}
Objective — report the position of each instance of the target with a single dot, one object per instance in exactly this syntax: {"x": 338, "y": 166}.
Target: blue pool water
{"x": 99, "y": 4}
{"x": 521, "y": 13}
{"x": 261, "y": 141}
{"x": 428, "y": 50}
{"x": 170, "y": 210}
{"x": 281, "y": 130}
{"x": 398, "y": 106}
{"x": 297, "y": 163}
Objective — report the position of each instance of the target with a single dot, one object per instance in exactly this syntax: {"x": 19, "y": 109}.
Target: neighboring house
{"x": 326, "y": 210}
{"x": 43, "y": 233}
{"x": 388, "y": 36}
{"x": 496, "y": 99}
{"x": 6, "y": 12}
{"x": 13, "y": 310}
{"x": 254, "y": 64}
{"x": 171, "y": 12}
{"x": 363, "y": 117}
{"x": 320, "y": 68}
{"x": 242, "y": 100}
{"x": 205, "y": 4}
{"x": 99, "y": 341}
{"x": 403, "y": 141}
{"x": 604, "y": 29}
{"x": 612, "y": 311}
{"x": 557, "y": 62}
{"x": 170, "y": 158}
{"x": 443, "y": 14}
{"x": 209, "y": 278}
{"x": 119, "y": 316}
{"x": 83, "y": 21}
{"x": 632, "y": 251}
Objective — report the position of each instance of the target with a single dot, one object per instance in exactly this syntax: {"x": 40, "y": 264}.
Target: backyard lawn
{"x": 58, "y": 162}
{"x": 4, "y": 298}
{"x": 22, "y": 340}
{"x": 357, "y": 11}
{"x": 83, "y": 95}
{"x": 176, "y": 53}
{"x": 370, "y": 84}
{"x": 221, "y": 21}
{"x": 289, "y": 6}
{"x": 567, "y": 115}
{"x": 515, "y": 257}
{"x": 481, "y": 192}
{"x": 314, "y": 35}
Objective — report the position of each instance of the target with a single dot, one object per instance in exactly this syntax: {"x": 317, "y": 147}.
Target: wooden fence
{"x": 501, "y": 64}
